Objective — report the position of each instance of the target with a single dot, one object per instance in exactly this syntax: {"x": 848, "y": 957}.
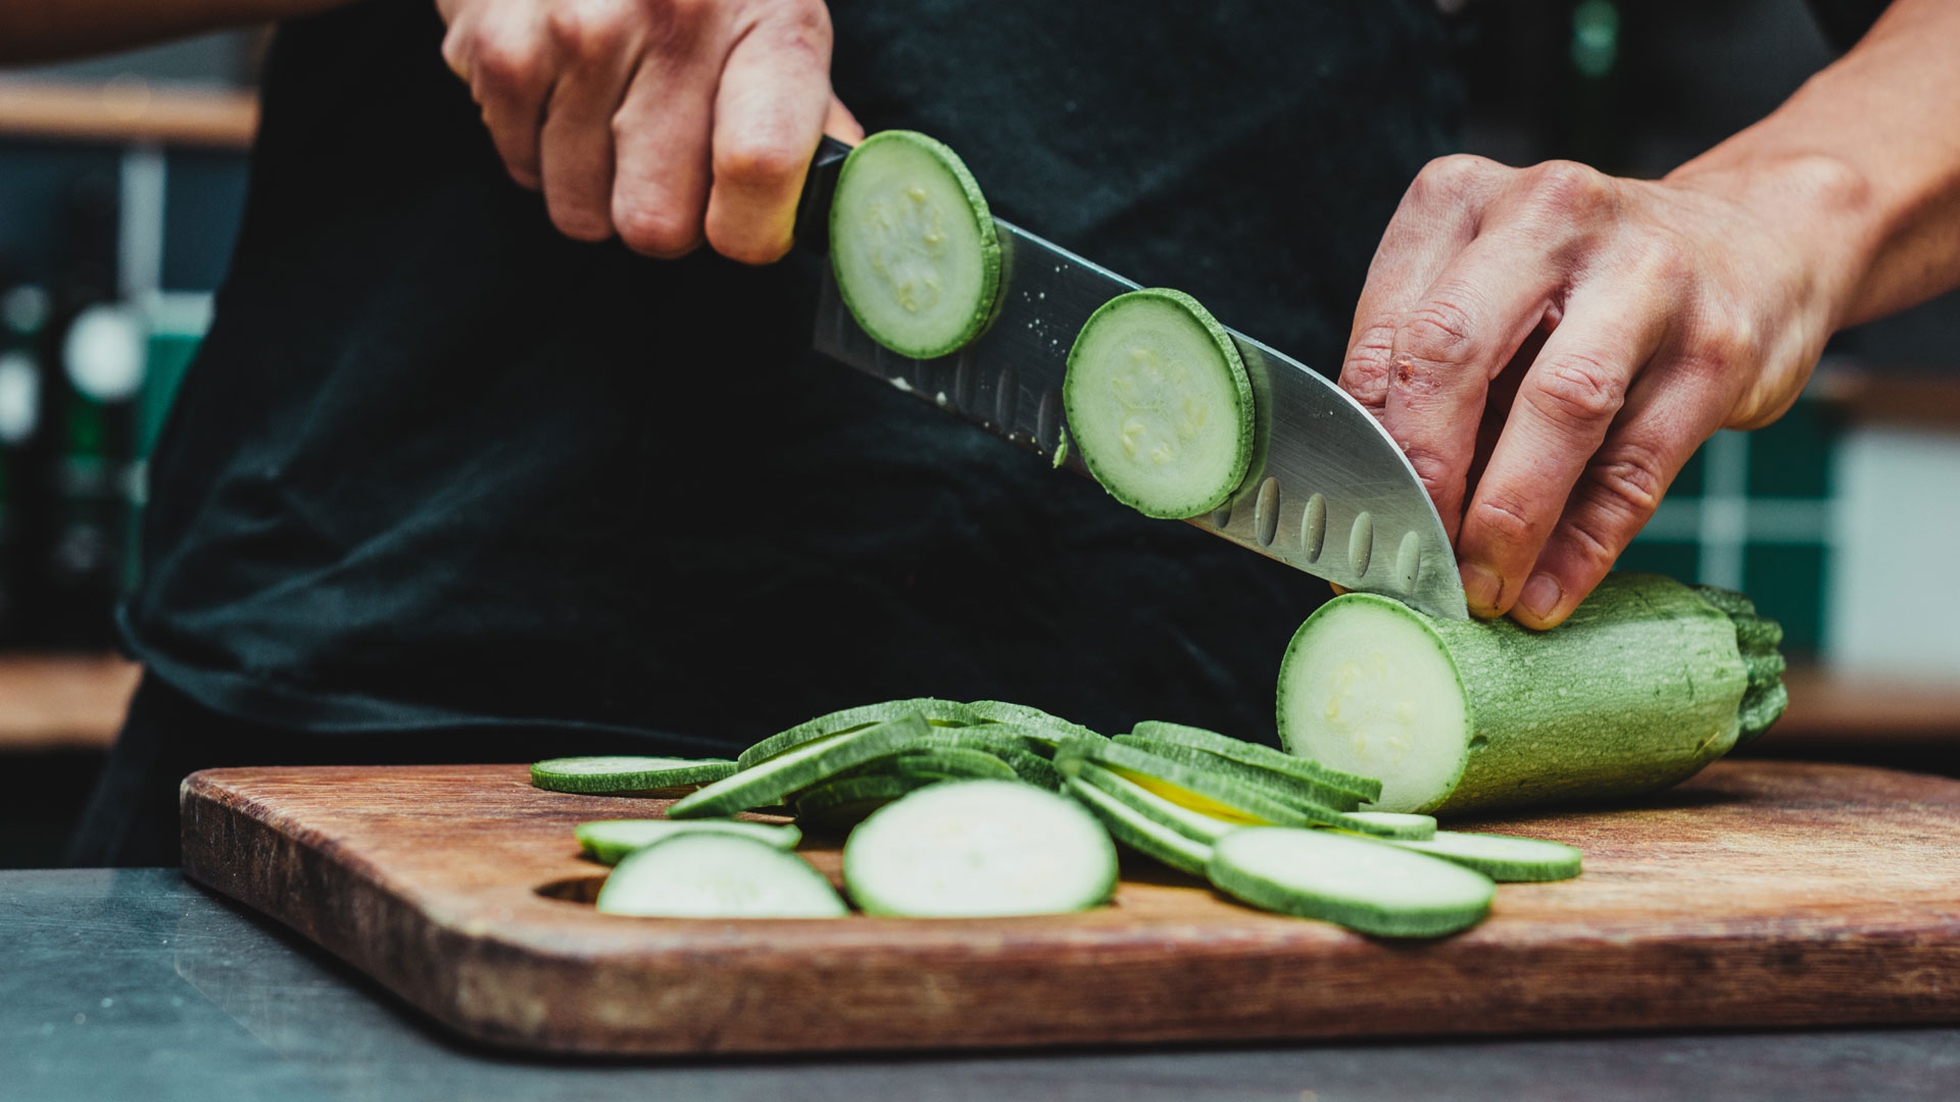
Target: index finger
{"x": 769, "y": 116}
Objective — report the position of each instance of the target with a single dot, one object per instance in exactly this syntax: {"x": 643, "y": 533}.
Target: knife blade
{"x": 1328, "y": 491}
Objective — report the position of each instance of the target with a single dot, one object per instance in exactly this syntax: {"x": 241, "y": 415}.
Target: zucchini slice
{"x": 913, "y": 245}
{"x": 1374, "y": 887}
{"x": 1638, "y": 690}
{"x": 1252, "y": 753}
{"x": 624, "y": 773}
{"x": 1502, "y": 857}
{"x": 1398, "y": 826}
{"x": 1289, "y": 786}
{"x": 608, "y": 840}
{"x": 938, "y": 713}
{"x": 1204, "y": 790}
{"x": 767, "y": 783}
{"x": 845, "y": 801}
{"x": 1141, "y": 833}
{"x": 979, "y": 848}
{"x": 1035, "y": 720}
{"x": 1194, "y": 825}
{"x": 938, "y": 763}
{"x": 718, "y": 875}
{"x": 1159, "y": 404}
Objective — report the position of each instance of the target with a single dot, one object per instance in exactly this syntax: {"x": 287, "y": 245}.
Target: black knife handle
{"x": 813, "y": 209}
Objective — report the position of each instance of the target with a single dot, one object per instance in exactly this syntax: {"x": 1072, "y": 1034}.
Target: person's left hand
{"x": 1549, "y": 345}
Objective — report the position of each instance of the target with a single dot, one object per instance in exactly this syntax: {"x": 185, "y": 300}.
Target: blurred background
{"x": 122, "y": 180}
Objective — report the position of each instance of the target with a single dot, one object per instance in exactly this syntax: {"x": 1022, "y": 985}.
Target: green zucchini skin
{"x": 1637, "y": 691}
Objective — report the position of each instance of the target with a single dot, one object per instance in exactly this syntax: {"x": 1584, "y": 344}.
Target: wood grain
{"x": 1758, "y": 894}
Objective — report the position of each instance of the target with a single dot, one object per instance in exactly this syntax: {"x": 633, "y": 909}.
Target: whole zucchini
{"x": 1646, "y": 683}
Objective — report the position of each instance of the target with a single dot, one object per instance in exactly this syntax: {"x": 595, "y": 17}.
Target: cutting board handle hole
{"x": 573, "y": 889}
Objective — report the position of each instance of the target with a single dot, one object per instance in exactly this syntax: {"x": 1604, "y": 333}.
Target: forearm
{"x": 49, "y": 30}
{"x": 1864, "y": 163}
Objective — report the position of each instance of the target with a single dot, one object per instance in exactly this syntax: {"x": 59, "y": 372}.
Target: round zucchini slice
{"x": 1159, "y": 404}
{"x": 913, "y": 245}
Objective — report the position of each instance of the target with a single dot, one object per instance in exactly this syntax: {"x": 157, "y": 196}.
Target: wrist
{"x": 1817, "y": 212}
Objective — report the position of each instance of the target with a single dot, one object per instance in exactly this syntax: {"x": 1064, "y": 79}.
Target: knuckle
{"x": 1437, "y": 332}
{"x": 1628, "y": 481}
{"x": 1365, "y": 372}
{"x": 1502, "y": 521}
{"x": 767, "y": 164}
{"x": 1451, "y": 178}
{"x": 655, "y": 231}
{"x": 586, "y": 30}
{"x": 504, "y": 65}
{"x": 1577, "y": 391}
{"x": 1568, "y": 186}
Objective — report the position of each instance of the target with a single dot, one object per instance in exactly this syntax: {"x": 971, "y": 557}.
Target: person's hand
{"x": 667, "y": 122}
{"x": 1549, "y": 345}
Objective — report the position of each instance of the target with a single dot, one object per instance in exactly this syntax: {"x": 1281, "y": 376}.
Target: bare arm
{"x": 49, "y": 30}
{"x": 1550, "y": 344}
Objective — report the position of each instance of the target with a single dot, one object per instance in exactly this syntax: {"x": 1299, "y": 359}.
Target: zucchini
{"x": 1159, "y": 404}
{"x": 1201, "y": 788}
{"x": 608, "y": 840}
{"x": 937, "y": 763}
{"x": 1397, "y": 826}
{"x": 765, "y": 784}
{"x": 1374, "y": 887}
{"x": 1194, "y": 825}
{"x": 938, "y": 713}
{"x": 616, "y": 774}
{"x": 1251, "y": 753}
{"x": 1140, "y": 832}
{"x": 1286, "y": 786}
{"x": 1638, "y": 690}
{"x": 718, "y": 875}
{"x": 913, "y": 245}
{"x": 1034, "y": 720}
{"x": 979, "y": 848}
{"x": 845, "y": 801}
{"x": 1502, "y": 856}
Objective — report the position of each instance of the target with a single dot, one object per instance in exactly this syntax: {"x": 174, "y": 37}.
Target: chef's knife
{"x": 1328, "y": 491}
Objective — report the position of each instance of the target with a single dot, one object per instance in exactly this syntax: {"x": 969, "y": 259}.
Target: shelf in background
{"x": 63, "y": 702}
{"x": 128, "y": 111}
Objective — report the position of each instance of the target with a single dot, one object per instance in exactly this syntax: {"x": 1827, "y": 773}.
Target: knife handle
{"x": 813, "y": 209}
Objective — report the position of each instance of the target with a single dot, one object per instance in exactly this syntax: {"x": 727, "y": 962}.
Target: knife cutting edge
{"x": 1328, "y": 491}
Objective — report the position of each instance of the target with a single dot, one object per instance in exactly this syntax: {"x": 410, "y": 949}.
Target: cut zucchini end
{"x": 1159, "y": 404}
{"x": 913, "y": 245}
{"x": 1367, "y": 687}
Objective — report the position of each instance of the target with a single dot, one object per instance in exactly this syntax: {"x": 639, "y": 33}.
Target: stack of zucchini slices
{"x": 990, "y": 808}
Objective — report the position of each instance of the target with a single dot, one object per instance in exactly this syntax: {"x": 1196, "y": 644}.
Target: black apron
{"x": 442, "y": 477}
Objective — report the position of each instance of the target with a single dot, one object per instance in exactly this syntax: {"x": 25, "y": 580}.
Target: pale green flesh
{"x": 913, "y": 246}
{"x": 609, "y": 840}
{"x": 1368, "y": 689}
{"x": 1159, "y": 406}
{"x": 1195, "y": 825}
{"x": 809, "y": 763}
{"x": 1502, "y": 856}
{"x": 1140, "y": 833}
{"x": 979, "y": 848}
{"x": 624, "y": 773}
{"x": 1374, "y": 887}
{"x": 718, "y": 875}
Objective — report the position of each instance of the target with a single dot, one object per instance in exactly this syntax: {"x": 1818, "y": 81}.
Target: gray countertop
{"x": 136, "y": 986}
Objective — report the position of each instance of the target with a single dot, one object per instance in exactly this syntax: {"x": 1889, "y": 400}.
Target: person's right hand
{"x": 667, "y": 122}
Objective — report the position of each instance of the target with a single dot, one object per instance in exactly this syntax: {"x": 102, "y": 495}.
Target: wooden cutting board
{"x": 1758, "y": 894}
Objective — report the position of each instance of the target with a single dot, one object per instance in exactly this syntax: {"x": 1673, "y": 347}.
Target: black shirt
{"x": 437, "y": 466}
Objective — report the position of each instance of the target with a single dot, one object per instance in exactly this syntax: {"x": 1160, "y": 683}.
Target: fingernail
{"x": 1480, "y": 587}
{"x": 1541, "y": 596}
